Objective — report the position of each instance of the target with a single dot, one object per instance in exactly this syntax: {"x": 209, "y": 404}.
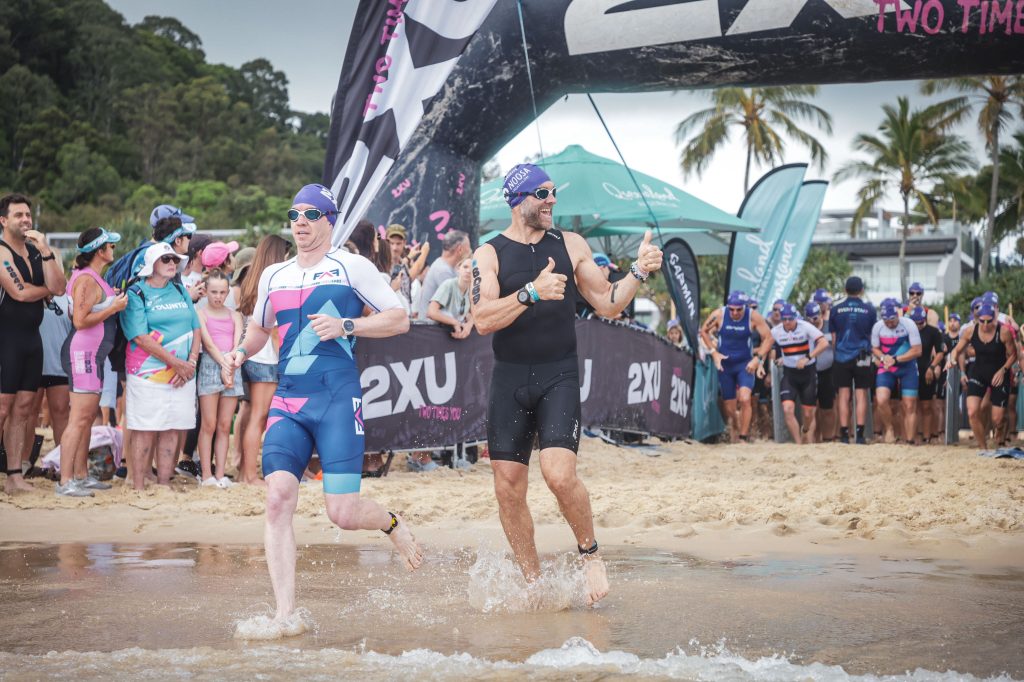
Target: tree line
{"x": 101, "y": 120}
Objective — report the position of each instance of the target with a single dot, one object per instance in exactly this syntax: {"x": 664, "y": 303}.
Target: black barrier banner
{"x": 680, "y": 268}
{"x": 632, "y": 380}
{"x": 425, "y": 389}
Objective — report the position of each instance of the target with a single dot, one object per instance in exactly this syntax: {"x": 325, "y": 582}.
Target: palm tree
{"x": 765, "y": 114}
{"x": 910, "y": 154}
{"x": 996, "y": 95}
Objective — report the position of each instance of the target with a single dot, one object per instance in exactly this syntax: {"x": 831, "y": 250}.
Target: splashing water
{"x": 496, "y": 585}
{"x": 267, "y": 627}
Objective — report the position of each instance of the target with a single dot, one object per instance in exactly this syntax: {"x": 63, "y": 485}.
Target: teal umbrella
{"x": 596, "y": 195}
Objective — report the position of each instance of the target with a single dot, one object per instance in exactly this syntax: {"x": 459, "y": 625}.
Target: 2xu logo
{"x": 592, "y": 26}
{"x": 644, "y": 382}
{"x": 376, "y": 383}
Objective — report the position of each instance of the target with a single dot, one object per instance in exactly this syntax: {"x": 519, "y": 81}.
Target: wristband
{"x": 532, "y": 290}
{"x": 641, "y": 275}
{"x": 241, "y": 350}
{"x": 52, "y": 256}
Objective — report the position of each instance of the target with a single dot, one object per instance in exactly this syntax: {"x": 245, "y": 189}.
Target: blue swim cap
{"x": 736, "y": 298}
{"x": 812, "y": 309}
{"x": 788, "y": 312}
{"x": 522, "y": 180}
{"x": 321, "y": 198}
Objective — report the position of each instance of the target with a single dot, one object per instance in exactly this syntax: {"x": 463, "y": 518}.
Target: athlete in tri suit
{"x": 794, "y": 337}
{"x": 852, "y": 321}
{"x": 30, "y": 271}
{"x": 896, "y": 344}
{"x": 929, "y": 370}
{"x": 826, "y": 415}
{"x": 735, "y": 325}
{"x": 995, "y": 353}
{"x": 525, "y": 284}
{"x": 950, "y": 337}
{"x": 317, "y": 300}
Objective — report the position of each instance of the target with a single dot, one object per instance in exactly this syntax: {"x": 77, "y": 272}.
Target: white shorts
{"x": 159, "y": 407}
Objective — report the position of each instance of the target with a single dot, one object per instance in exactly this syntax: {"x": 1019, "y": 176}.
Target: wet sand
{"x": 877, "y": 559}
{"x": 173, "y": 607}
{"x": 719, "y": 502}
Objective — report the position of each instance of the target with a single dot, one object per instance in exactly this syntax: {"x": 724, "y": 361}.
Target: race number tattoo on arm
{"x": 615, "y": 288}
{"x": 476, "y": 283}
{"x": 14, "y": 275}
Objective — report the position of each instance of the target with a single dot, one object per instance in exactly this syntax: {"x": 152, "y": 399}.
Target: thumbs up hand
{"x": 648, "y": 256}
{"x": 549, "y": 284}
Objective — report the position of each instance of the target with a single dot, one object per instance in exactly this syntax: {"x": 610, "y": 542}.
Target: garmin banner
{"x": 425, "y": 389}
{"x": 399, "y": 55}
{"x": 680, "y": 268}
{"x": 431, "y": 89}
{"x": 756, "y": 260}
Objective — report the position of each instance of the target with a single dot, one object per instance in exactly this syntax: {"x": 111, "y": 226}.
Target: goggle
{"x": 310, "y": 214}
{"x": 985, "y": 320}
{"x": 541, "y": 193}
{"x": 104, "y": 238}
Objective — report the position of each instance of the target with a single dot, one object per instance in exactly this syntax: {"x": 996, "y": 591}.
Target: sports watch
{"x": 523, "y": 296}
{"x": 348, "y": 326}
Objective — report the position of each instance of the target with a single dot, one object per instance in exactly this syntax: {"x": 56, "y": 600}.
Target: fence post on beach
{"x": 953, "y": 406}
{"x": 779, "y": 432}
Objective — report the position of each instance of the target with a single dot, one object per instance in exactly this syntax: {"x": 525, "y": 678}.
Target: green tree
{"x": 996, "y": 97}
{"x": 266, "y": 91}
{"x": 22, "y": 94}
{"x": 765, "y": 116}
{"x": 85, "y": 176}
{"x": 174, "y": 31}
{"x": 823, "y": 269}
{"x": 908, "y": 156}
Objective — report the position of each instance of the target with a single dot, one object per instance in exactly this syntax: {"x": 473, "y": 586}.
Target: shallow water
{"x": 160, "y": 611}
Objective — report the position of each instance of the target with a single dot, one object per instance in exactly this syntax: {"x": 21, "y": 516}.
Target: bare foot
{"x": 16, "y": 484}
{"x": 401, "y": 537}
{"x": 258, "y": 482}
{"x": 597, "y": 578}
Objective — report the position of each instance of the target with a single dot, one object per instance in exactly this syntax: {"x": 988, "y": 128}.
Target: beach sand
{"x": 717, "y": 502}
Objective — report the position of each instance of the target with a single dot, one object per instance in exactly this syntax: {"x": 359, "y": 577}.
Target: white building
{"x": 939, "y": 257}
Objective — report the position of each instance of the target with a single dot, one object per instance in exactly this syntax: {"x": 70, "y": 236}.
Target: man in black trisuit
{"x": 929, "y": 370}
{"x": 30, "y": 272}
{"x": 525, "y": 284}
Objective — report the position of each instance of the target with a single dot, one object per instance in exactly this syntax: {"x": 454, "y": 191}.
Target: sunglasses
{"x": 53, "y": 307}
{"x": 168, "y": 259}
{"x": 816, "y": 317}
{"x": 310, "y": 214}
{"x": 541, "y": 193}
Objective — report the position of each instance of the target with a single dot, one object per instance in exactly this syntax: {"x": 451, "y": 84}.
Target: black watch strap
{"x": 52, "y": 256}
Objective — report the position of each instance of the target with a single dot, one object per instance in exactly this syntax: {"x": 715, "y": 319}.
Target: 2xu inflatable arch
{"x": 430, "y": 89}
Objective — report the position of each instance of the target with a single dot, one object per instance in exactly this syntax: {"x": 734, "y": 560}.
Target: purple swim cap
{"x": 522, "y": 180}
{"x": 321, "y": 198}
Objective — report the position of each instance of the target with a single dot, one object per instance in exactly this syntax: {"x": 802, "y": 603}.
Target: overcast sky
{"x": 301, "y": 43}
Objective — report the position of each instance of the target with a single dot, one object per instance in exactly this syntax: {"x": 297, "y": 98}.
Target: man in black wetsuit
{"x": 525, "y": 284}
{"x": 30, "y": 272}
